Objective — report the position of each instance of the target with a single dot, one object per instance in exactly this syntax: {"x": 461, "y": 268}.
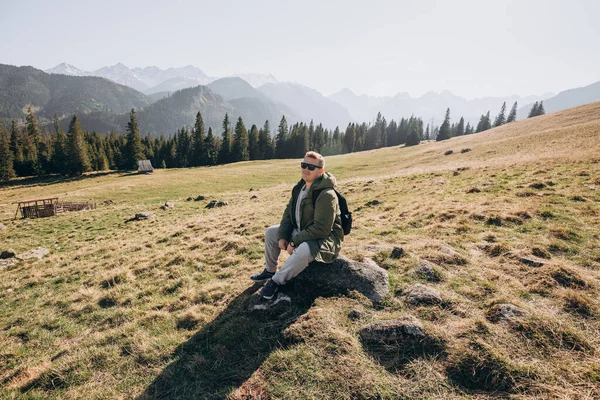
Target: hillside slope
{"x": 61, "y": 94}
{"x": 158, "y": 309}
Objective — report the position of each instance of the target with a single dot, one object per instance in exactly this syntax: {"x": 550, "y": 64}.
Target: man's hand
{"x": 283, "y": 244}
{"x": 290, "y": 249}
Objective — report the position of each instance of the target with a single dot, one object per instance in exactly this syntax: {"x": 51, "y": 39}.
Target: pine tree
{"x": 415, "y": 128}
{"x": 484, "y": 123}
{"x": 512, "y": 116}
{"x": 6, "y": 157}
{"x": 534, "y": 110}
{"x": 460, "y": 128}
{"x": 16, "y": 148}
{"x": 311, "y": 135}
{"x": 225, "y": 150}
{"x": 59, "y": 154}
{"x": 350, "y": 138}
{"x": 501, "y": 117}
{"x": 239, "y": 150}
{"x": 468, "y": 129}
{"x": 265, "y": 142}
{"x": 198, "y": 154}
{"x": 445, "y": 128}
{"x": 133, "y": 149}
{"x": 79, "y": 161}
{"x": 210, "y": 148}
{"x": 540, "y": 110}
{"x": 34, "y": 138}
{"x": 320, "y": 138}
{"x": 182, "y": 158}
{"x": 281, "y": 139}
{"x": 253, "y": 144}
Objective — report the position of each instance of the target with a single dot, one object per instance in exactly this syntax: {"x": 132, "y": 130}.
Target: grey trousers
{"x": 295, "y": 263}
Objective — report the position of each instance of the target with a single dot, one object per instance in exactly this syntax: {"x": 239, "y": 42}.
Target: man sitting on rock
{"x": 308, "y": 231}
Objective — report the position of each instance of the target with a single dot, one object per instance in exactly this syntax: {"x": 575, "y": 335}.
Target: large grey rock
{"x": 38, "y": 253}
{"x": 318, "y": 279}
{"x": 403, "y": 329}
{"x": 505, "y": 312}
{"x": 343, "y": 276}
{"x": 420, "y": 294}
{"x": 2, "y": 226}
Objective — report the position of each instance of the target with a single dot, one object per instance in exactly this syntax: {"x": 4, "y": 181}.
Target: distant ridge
{"x": 63, "y": 95}
{"x": 566, "y": 99}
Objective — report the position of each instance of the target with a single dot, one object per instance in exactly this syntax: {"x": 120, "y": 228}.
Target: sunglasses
{"x": 309, "y": 166}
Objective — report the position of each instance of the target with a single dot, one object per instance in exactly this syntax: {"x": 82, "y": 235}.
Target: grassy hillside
{"x": 156, "y": 309}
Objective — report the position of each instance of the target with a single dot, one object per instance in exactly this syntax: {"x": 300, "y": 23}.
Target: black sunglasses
{"x": 309, "y": 166}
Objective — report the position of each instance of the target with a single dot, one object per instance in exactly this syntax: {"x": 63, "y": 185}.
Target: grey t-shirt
{"x": 301, "y": 197}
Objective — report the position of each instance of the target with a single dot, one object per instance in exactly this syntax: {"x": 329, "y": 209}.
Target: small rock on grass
{"x": 420, "y": 294}
{"x": 403, "y": 329}
{"x": 397, "y": 252}
{"x": 10, "y": 253}
{"x": 355, "y": 314}
{"x": 2, "y": 227}
{"x": 8, "y": 262}
{"x": 428, "y": 270}
{"x": 215, "y": 203}
{"x": 144, "y": 215}
{"x": 38, "y": 253}
{"x": 168, "y": 205}
{"x": 505, "y": 312}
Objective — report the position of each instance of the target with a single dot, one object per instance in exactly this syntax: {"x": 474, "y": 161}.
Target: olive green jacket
{"x": 321, "y": 224}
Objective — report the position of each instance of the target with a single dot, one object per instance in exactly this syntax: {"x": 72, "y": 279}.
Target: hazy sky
{"x": 473, "y": 48}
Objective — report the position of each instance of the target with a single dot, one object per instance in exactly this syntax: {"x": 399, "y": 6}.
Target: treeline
{"x": 26, "y": 151}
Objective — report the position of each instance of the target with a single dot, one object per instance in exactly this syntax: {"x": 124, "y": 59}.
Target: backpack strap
{"x": 316, "y": 193}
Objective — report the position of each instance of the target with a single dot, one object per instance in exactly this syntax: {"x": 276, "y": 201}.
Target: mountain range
{"x": 172, "y": 97}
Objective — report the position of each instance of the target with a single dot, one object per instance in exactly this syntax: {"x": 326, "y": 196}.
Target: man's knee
{"x": 303, "y": 251}
{"x": 272, "y": 233}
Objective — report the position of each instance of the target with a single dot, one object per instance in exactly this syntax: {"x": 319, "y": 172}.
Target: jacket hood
{"x": 324, "y": 182}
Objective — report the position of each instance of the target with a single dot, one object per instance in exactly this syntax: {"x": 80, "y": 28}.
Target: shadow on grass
{"x": 49, "y": 180}
{"x": 225, "y": 353}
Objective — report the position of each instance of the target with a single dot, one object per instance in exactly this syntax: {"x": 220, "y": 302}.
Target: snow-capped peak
{"x": 67, "y": 69}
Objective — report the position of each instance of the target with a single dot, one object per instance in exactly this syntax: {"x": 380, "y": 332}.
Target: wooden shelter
{"x": 37, "y": 208}
{"x": 145, "y": 166}
{"x": 41, "y": 208}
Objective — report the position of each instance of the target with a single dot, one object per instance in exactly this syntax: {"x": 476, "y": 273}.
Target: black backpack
{"x": 346, "y": 214}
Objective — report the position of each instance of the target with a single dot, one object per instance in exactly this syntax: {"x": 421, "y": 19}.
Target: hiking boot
{"x": 269, "y": 290}
{"x": 263, "y": 276}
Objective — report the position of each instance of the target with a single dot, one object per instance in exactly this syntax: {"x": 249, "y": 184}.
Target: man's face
{"x": 307, "y": 174}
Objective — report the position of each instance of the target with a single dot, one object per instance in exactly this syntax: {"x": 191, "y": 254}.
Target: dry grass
{"x": 157, "y": 308}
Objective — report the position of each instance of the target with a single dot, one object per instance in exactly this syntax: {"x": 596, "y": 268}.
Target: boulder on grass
{"x": 319, "y": 279}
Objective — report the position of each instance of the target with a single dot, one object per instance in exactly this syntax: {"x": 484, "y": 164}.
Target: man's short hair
{"x": 316, "y": 156}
